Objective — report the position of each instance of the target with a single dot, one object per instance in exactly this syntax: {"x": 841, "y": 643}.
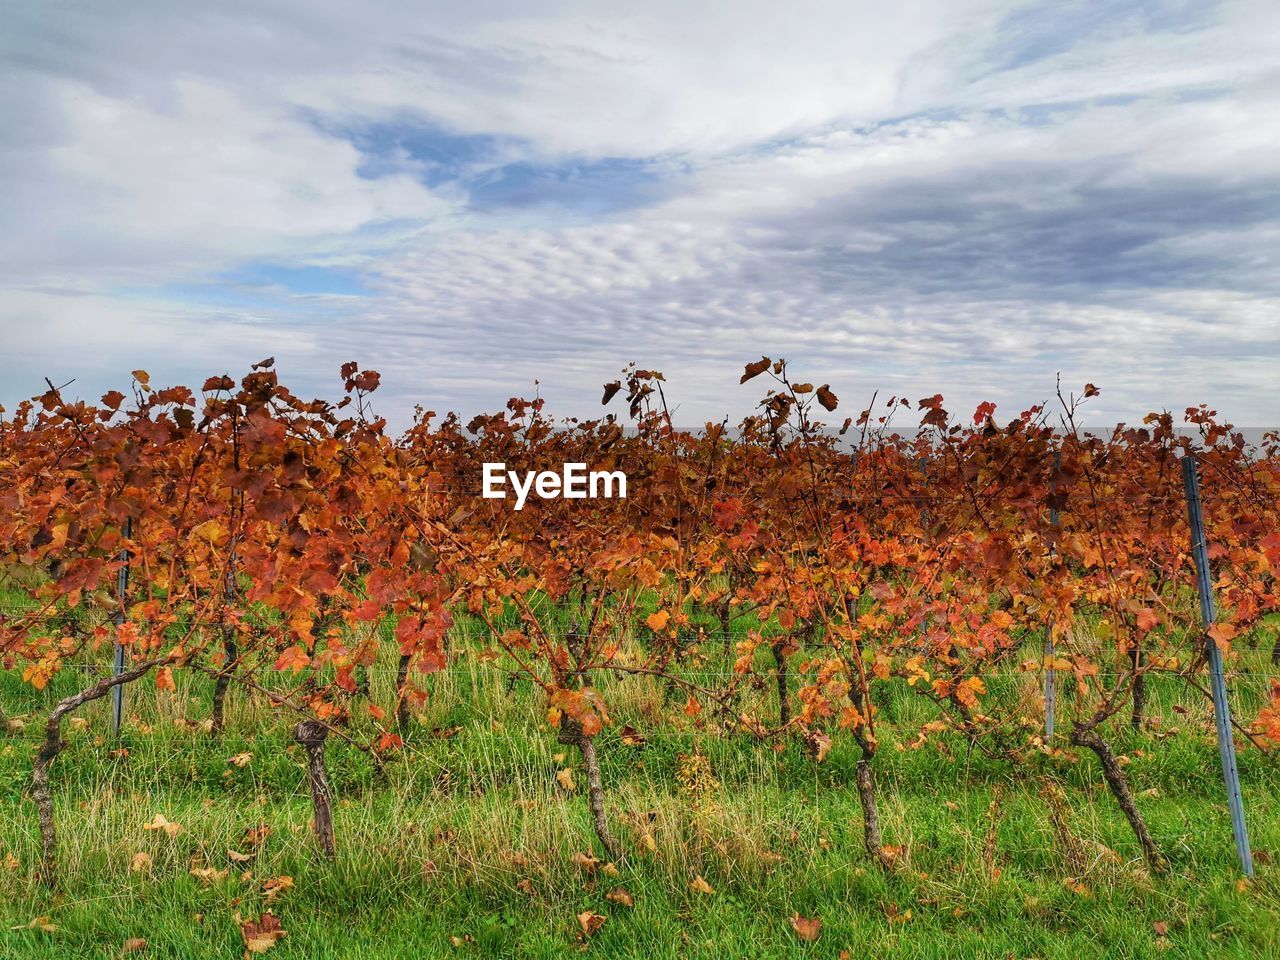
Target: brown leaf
{"x": 609, "y": 390}
{"x": 235, "y": 856}
{"x": 699, "y": 885}
{"x": 565, "y": 779}
{"x": 134, "y": 945}
{"x": 262, "y": 934}
{"x": 827, "y": 398}
{"x": 590, "y": 922}
{"x": 1161, "y": 928}
{"x": 38, "y": 923}
{"x": 140, "y": 863}
{"x": 620, "y": 895}
{"x": 819, "y": 745}
{"x": 806, "y": 928}
{"x": 160, "y": 822}
{"x": 586, "y": 862}
{"x": 755, "y": 369}
{"x": 208, "y": 875}
{"x": 276, "y": 886}
{"x": 1077, "y": 887}
{"x": 632, "y": 737}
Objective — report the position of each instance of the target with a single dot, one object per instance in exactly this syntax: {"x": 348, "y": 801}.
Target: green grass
{"x": 432, "y": 859}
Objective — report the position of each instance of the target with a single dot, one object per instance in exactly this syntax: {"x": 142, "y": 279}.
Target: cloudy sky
{"x": 921, "y": 196}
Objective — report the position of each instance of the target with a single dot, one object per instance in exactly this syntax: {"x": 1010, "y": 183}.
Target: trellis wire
{"x": 1221, "y": 707}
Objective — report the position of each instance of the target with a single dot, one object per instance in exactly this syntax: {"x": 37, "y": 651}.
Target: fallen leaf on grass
{"x": 235, "y": 856}
{"x": 632, "y": 737}
{"x": 699, "y": 885}
{"x": 590, "y": 922}
{"x": 140, "y": 863}
{"x": 565, "y": 779}
{"x": 1077, "y": 887}
{"x": 894, "y": 914}
{"x": 586, "y": 862}
{"x": 39, "y": 923}
{"x": 262, "y": 934}
{"x": 161, "y": 822}
{"x": 241, "y": 759}
{"x": 1161, "y": 928}
{"x": 806, "y": 928}
{"x": 209, "y": 876}
{"x": 620, "y": 895}
{"x": 134, "y": 945}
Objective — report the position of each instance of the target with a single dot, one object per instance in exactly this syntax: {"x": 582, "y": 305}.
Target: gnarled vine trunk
{"x": 864, "y": 776}
{"x": 571, "y": 735}
{"x": 864, "y": 772}
{"x": 1086, "y": 736}
{"x": 784, "y": 696}
{"x": 311, "y": 734}
{"x": 50, "y": 747}
{"x": 1139, "y": 710}
{"x": 222, "y": 682}
{"x": 402, "y": 702}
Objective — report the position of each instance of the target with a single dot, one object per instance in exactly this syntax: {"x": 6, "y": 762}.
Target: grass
{"x": 466, "y": 848}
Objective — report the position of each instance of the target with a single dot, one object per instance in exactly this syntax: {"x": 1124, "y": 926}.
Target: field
{"x": 433, "y": 862}
{"x": 785, "y": 698}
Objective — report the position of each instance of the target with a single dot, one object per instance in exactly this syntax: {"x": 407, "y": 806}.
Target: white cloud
{"x": 201, "y": 182}
{"x": 965, "y": 197}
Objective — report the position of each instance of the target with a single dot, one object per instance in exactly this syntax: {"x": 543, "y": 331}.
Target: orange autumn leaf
{"x": 806, "y": 928}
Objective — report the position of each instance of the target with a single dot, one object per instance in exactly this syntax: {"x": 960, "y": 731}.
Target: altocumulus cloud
{"x": 954, "y": 196}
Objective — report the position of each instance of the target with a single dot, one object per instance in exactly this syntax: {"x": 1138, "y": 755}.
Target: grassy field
{"x": 466, "y": 846}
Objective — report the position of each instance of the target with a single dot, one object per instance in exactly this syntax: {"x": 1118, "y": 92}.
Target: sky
{"x": 490, "y": 199}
